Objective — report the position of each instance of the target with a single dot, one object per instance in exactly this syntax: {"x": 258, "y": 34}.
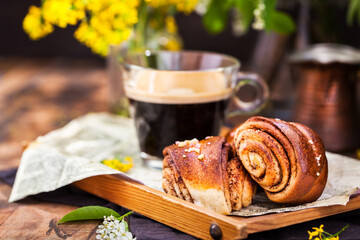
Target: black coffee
{"x": 159, "y": 125}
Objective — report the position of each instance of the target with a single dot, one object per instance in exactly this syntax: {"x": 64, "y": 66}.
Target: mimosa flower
{"x": 320, "y": 234}
{"x": 63, "y": 12}
{"x": 185, "y": 6}
{"x": 170, "y": 24}
{"x": 121, "y": 164}
{"x": 34, "y": 24}
{"x": 110, "y": 22}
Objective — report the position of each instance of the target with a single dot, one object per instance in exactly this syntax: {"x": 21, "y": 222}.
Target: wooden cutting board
{"x": 192, "y": 219}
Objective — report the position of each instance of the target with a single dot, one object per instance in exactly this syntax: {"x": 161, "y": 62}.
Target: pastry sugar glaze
{"x": 215, "y": 180}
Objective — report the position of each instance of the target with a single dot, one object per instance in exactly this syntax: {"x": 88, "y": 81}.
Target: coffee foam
{"x": 168, "y": 87}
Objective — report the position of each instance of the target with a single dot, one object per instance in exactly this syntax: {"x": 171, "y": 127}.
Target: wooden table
{"x": 37, "y": 96}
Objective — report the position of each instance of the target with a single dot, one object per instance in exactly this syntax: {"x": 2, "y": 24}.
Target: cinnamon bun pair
{"x": 285, "y": 159}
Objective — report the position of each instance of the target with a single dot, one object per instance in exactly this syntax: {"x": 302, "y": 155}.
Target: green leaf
{"x": 126, "y": 225}
{"x": 281, "y": 23}
{"x": 246, "y": 8}
{"x": 216, "y": 16}
{"x": 353, "y": 10}
{"x": 270, "y": 6}
{"x": 89, "y": 212}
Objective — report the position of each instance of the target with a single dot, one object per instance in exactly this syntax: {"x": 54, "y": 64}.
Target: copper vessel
{"x": 326, "y": 94}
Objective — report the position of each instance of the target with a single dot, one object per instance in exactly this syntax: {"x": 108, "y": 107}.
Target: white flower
{"x": 113, "y": 229}
{"x": 259, "y": 22}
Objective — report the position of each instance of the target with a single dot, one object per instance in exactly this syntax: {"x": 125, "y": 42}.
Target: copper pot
{"x": 326, "y": 94}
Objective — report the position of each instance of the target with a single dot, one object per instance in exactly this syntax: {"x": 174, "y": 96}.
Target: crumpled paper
{"x": 74, "y": 152}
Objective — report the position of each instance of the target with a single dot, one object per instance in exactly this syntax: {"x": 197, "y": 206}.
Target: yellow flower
{"x": 312, "y": 234}
{"x": 102, "y": 22}
{"x": 320, "y": 229}
{"x": 157, "y": 3}
{"x": 317, "y": 232}
{"x": 110, "y": 22}
{"x": 63, "y": 12}
{"x": 86, "y": 35}
{"x": 122, "y": 165}
{"x": 79, "y": 4}
{"x": 170, "y": 23}
{"x": 186, "y": 6}
{"x": 321, "y": 234}
{"x": 34, "y": 25}
{"x": 172, "y": 44}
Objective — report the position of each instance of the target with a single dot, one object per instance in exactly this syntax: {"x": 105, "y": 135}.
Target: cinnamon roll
{"x": 286, "y": 159}
{"x": 201, "y": 172}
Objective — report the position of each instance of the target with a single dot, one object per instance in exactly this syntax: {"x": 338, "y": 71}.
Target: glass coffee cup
{"x": 177, "y": 96}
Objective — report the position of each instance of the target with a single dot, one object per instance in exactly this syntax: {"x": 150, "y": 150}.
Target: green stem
{"x": 140, "y": 28}
{"x": 336, "y": 234}
{"x": 125, "y": 215}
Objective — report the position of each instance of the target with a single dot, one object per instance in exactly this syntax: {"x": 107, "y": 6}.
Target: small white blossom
{"x": 259, "y": 22}
{"x": 261, "y": 6}
{"x": 113, "y": 229}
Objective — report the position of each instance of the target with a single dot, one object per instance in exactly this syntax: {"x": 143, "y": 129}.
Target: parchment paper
{"x": 74, "y": 152}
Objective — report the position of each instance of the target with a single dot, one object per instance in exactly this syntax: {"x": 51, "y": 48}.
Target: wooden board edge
{"x": 267, "y": 222}
{"x": 192, "y": 219}
{"x": 162, "y": 207}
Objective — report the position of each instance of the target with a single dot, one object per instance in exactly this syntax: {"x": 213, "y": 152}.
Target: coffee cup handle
{"x": 260, "y": 100}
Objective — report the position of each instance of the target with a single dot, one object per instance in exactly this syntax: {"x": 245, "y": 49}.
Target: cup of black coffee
{"x": 176, "y": 96}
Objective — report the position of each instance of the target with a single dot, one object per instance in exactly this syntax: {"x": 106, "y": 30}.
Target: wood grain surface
{"x": 192, "y": 219}
{"x": 37, "y": 96}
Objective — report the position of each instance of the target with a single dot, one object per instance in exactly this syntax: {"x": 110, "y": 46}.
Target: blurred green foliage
{"x": 353, "y": 12}
{"x": 217, "y": 15}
